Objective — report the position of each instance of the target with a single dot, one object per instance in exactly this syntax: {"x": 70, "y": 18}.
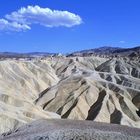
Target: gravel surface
{"x": 72, "y": 130}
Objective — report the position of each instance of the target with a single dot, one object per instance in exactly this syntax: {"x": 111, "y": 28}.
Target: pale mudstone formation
{"x": 20, "y": 84}
{"x": 92, "y": 88}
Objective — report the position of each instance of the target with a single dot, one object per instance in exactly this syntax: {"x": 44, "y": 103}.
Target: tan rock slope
{"x": 92, "y": 88}
{"x": 20, "y": 83}
{"x": 103, "y": 90}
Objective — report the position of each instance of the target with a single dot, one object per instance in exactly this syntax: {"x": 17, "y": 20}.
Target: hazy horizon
{"x": 61, "y": 52}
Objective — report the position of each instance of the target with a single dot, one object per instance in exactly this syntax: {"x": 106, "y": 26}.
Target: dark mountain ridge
{"x": 107, "y": 50}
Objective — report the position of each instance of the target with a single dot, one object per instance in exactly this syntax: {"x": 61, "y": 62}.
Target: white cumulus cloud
{"x": 26, "y": 16}
{"x": 44, "y": 16}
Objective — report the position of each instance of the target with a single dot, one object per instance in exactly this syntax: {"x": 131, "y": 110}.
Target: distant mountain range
{"x": 24, "y": 55}
{"x": 106, "y": 50}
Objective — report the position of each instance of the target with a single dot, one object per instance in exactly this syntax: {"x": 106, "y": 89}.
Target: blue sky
{"x": 86, "y": 24}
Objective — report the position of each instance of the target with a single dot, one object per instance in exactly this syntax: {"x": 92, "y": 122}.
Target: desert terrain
{"x": 96, "y": 87}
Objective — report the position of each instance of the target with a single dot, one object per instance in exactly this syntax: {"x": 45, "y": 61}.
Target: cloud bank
{"x": 12, "y": 26}
{"x": 23, "y": 18}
